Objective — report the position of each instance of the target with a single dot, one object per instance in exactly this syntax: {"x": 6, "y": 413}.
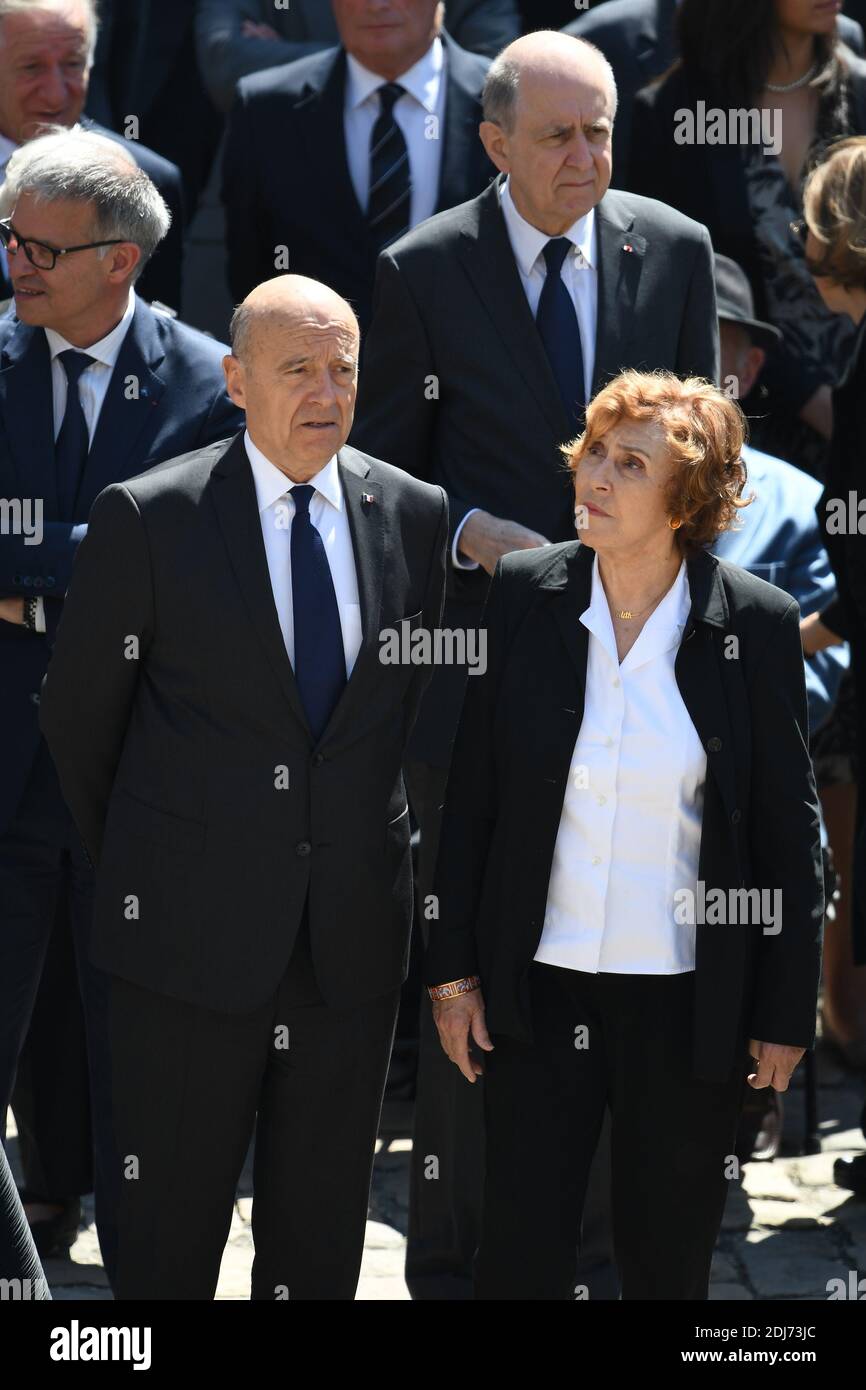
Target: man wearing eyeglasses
{"x": 95, "y": 387}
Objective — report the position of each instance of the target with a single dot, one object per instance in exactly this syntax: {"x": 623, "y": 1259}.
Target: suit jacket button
{"x": 35, "y": 697}
{"x": 38, "y": 582}
{"x": 50, "y": 581}
{"x": 303, "y": 848}
{"x": 318, "y": 759}
{"x": 735, "y": 817}
{"x": 714, "y": 745}
{"x": 27, "y": 579}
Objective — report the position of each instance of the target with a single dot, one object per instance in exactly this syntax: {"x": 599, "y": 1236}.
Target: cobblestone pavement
{"x": 787, "y": 1229}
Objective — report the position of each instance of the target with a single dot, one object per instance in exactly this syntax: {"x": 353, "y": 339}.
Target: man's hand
{"x": 12, "y": 610}
{"x": 487, "y": 538}
{"x": 457, "y": 1020}
{"x": 776, "y": 1064}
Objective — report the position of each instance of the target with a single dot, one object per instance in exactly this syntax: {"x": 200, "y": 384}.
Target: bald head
{"x": 294, "y": 370}
{"x": 543, "y": 57}
{"x": 284, "y": 304}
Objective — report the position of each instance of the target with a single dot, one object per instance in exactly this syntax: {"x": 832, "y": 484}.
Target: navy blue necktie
{"x": 390, "y": 198}
{"x": 560, "y": 334}
{"x": 320, "y": 661}
{"x": 73, "y": 443}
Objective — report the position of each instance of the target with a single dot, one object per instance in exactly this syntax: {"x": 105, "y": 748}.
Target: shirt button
{"x": 714, "y": 745}
{"x": 602, "y": 800}
{"x": 615, "y": 682}
{"x": 608, "y": 743}
{"x": 596, "y": 859}
{"x": 303, "y": 848}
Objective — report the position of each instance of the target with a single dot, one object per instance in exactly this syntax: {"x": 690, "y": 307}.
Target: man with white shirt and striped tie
{"x": 333, "y": 157}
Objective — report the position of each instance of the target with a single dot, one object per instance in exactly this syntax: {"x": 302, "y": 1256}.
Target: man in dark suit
{"x": 239, "y": 786}
{"x": 638, "y": 38}
{"x": 476, "y": 370}
{"x": 237, "y": 37}
{"x": 46, "y": 52}
{"x": 331, "y": 158}
{"x": 145, "y": 387}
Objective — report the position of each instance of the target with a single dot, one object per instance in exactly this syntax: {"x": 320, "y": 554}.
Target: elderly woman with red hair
{"x": 629, "y": 885}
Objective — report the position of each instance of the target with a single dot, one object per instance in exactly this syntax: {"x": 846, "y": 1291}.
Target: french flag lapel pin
{"x": 367, "y": 499}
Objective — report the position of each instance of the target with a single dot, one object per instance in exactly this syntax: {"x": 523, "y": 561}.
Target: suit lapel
{"x": 486, "y": 252}
{"x": 321, "y": 128}
{"x": 621, "y": 254}
{"x": 365, "y": 510}
{"x": 699, "y": 674}
{"x": 129, "y": 417}
{"x": 27, "y": 412}
{"x": 234, "y": 497}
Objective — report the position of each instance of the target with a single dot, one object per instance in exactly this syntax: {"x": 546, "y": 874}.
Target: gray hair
{"x": 10, "y": 7}
{"x": 81, "y": 167}
{"x": 239, "y": 330}
{"x": 502, "y": 86}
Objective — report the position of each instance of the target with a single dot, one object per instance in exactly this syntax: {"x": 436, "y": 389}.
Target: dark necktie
{"x": 390, "y": 199}
{"x": 560, "y": 334}
{"x": 320, "y": 662}
{"x": 72, "y": 444}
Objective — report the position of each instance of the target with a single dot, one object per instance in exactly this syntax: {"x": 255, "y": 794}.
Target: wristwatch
{"x": 31, "y": 608}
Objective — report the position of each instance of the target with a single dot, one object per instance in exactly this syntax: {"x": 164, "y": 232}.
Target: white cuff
{"x": 40, "y": 615}
{"x": 461, "y": 562}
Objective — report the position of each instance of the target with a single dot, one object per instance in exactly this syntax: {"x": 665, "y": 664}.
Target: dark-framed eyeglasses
{"x": 42, "y": 256}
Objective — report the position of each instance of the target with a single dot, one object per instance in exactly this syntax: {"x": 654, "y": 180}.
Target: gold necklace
{"x": 626, "y": 613}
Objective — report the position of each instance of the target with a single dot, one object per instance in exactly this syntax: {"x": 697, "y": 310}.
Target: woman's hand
{"x": 776, "y": 1064}
{"x": 815, "y": 635}
{"x": 457, "y": 1020}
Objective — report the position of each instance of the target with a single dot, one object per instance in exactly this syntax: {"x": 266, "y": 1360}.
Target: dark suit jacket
{"x": 760, "y": 820}
{"x": 709, "y": 184}
{"x": 638, "y": 38}
{"x": 308, "y": 26}
{"x": 169, "y": 762}
{"x": 286, "y": 179}
{"x": 181, "y": 404}
{"x": 456, "y": 386}
{"x": 161, "y": 277}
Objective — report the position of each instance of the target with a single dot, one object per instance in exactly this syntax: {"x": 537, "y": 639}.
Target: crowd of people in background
{"x": 508, "y": 217}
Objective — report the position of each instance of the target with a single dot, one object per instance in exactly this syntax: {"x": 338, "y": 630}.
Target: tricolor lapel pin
{"x": 628, "y": 247}
{"x": 367, "y": 499}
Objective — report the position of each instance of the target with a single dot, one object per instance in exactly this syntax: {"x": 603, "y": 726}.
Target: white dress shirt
{"x": 420, "y": 114}
{"x": 580, "y": 277}
{"x": 630, "y": 831}
{"x": 94, "y": 380}
{"x": 7, "y": 149}
{"x": 92, "y": 388}
{"x": 328, "y": 515}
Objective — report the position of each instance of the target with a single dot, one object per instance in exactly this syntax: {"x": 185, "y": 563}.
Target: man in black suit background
{"x": 477, "y": 367}
{"x": 46, "y": 54}
{"x": 237, "y": 37}
{"x": 239, "y": 784}
{"x": 335, "y": 156}
{"x": 95, "y": 386}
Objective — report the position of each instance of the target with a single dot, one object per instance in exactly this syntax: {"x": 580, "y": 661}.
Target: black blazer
{"x": 456, "y": 386}
{"x": 181, "y": 404}
{"x": 286, "y": 179}
{"x": 760, "y": 821}
{"x": 169, "y": 759}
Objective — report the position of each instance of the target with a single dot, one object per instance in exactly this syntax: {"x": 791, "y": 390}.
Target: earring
{"x": 674, "y": 523}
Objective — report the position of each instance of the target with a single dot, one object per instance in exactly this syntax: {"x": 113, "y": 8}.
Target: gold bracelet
{"x": 455, "y": 988}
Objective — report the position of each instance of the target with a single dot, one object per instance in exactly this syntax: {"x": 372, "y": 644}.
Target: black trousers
{"x": 44, "y": 874}
{"x": 188, "y": 1086}
{"x": 672, "y": 1138}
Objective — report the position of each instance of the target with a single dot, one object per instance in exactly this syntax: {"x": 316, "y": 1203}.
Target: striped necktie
{"x": 390, "y": 199}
